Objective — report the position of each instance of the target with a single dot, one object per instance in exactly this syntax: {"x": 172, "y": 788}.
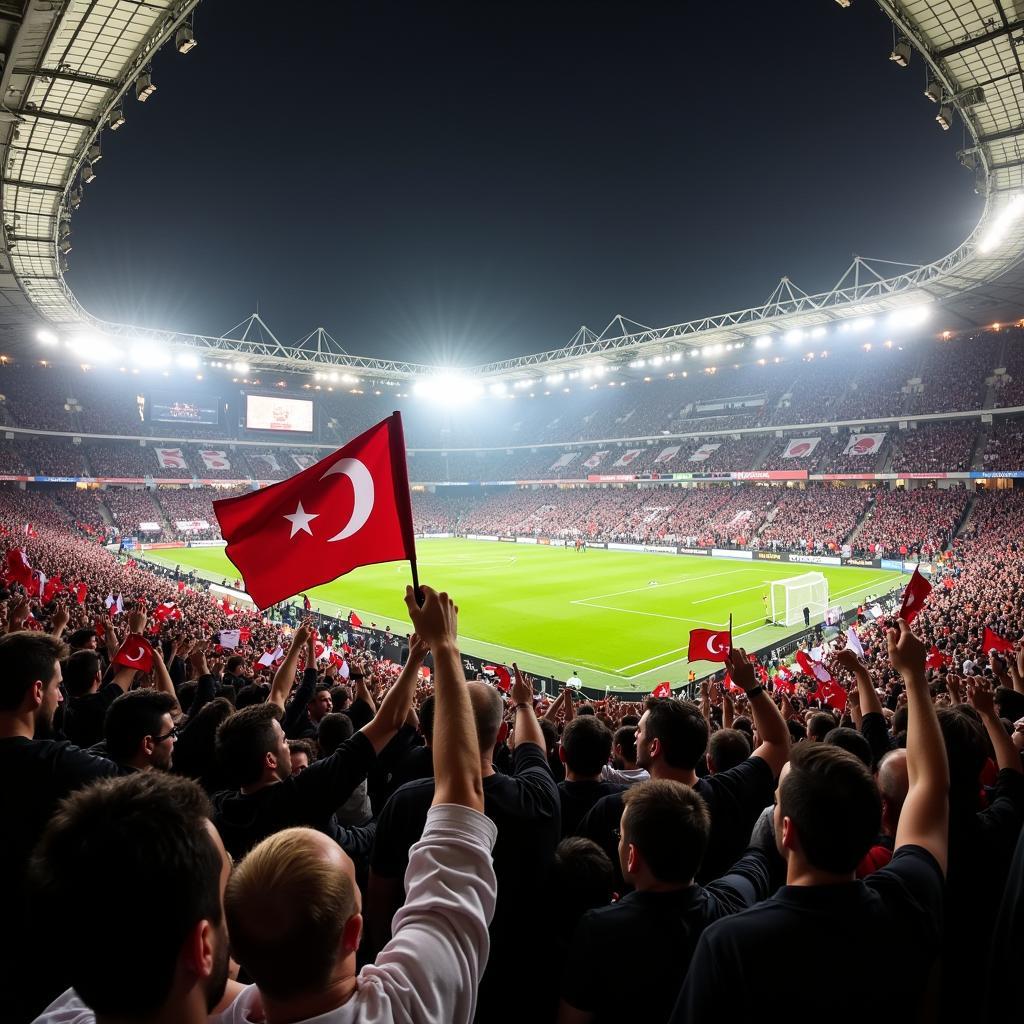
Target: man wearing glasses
{"x": 139, "y": 732}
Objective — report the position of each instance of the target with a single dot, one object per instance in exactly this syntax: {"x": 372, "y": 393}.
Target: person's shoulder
{"x": 909, "y": 863}
{"x": 751, "y": 770}
{"x": 415, "y": 793}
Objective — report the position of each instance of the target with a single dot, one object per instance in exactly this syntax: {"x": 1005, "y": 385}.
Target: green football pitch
{"x": 621, "y": 619}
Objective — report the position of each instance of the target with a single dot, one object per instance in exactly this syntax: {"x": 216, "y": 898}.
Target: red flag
{"x": 662, "y": 690}
{"x": 914, "y": 597}
{"x": 81, "y": 592}
{"x": 833, "y": 694}
{"x": 101, "y": 631}
{"x": 502, "y": 675}
{"x": 18, "y": 568}
{"x": 350, "y": 509}
{"x": 948, "y": 582}
{"x": 244, "y": 634}
{"x": 135, "y": 652}
{"x": 994, "y": 642}
{"x": 709, "y": 645}
{"x": 936, "y": 659}
{"x": 354, "y": 621}
{"x": 784, "y": 681}
{"x": 51, "y": 590}
{"x": 181, "y": 586}
{"x": 813, "y": 668}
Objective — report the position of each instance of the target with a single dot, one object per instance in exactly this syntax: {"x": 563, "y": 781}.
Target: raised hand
{"x": 522, "y": 687}
{"x": 981, "y": 696}
{"x": 437, "y": 621}
{"x": 137, "y": 621}
{"x": 741, "y": 669}
{"x": 907, "y": 652}
{"x": 848, "y": 659}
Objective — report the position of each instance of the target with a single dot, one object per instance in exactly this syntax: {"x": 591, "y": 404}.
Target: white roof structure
{"x": 70, "y": 63}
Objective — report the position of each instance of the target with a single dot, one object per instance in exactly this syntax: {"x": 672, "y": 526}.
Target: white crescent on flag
{"x": 362, "y": 486}
{"x": 138, "y": 655}
{"x": 712, "y": 643}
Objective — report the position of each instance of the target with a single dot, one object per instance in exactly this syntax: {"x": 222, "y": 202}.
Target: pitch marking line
{"x": 655, "y": 586}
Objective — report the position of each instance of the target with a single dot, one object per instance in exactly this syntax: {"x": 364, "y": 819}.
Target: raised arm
{"x": 924, "y": 820}
{"x": 394, "y": 708}
{"x": 284, "y": 677}
{"x": 527, "y": 727}
{"x": 555, "y": 707}
{"x": 163, "y": 677}
{"x": 768, "y": 721}
{"x": 457, "y": 774}
{"x": 982, "y": 699}
{"x": 869, "y": 702}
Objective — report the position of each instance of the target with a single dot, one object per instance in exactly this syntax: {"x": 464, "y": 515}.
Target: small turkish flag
{"x": 833, "y": 694}
{"x": 354, "y": 621}
{"x": 936, "y": 659}
{"x": 350, "y": 509}
{"x": 135, "y": 652}
{"x": 994, "y": 642}
{"x": 810, "y": 666}
{"x": 502, "y": 675}
{"x": 662, "y": 690}
{"x": 914, "y": 597}
{"x": 244, "y": 634}
{"x": 709, "y": 645}
{"x": 81, "y": 592}
{"x": 18, "y": 568}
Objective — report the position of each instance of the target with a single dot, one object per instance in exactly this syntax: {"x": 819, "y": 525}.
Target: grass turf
{"x": 622, "y": 619}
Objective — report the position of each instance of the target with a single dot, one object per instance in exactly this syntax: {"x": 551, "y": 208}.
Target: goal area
{"x": 791, "y": 596}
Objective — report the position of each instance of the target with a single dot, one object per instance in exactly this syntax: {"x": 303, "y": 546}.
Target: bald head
{"x": 293, "y": 909}
{"x": 893, "y": 784}
{"x": 487, "y": 712}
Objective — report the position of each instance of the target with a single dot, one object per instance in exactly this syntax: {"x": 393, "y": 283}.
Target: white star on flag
{"x": 300, "y": 520}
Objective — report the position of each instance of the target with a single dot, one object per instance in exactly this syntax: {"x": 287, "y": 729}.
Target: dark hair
{"x": 587, "y": 743}
{"x": 250, "y": 694}
{"x": 233, "y": 664}
{"x": 426, "y": 716}
{"x": 1010, "y": 703}
{"x": 550, "y": 731}
{"x": 899, "y": 720}
{"x": 194, "y": 753}
{"x": 681, "y": 730}
{"x": 625, "y": 737}
{"x": 145, "y": 836}
{"x": 966, "y": 747}
{"x": 334, "y": 730}
{"x": 728, "y": 748}
{"x": 832, "y": 800}
{"x": 341, "y": 696}
{"x": 26, "y": 656}
{"x": 820, "y": 724}
{"x": 629, "y": 720}
{"x": 585, "y": 709}
{"x": 80, "y": 671}
{"x": 303, "y": 747}
{"x": 853, "y": 741}
{"x": 81, "y": 637}
{"x": 669, "y": 823}
{"x": 132, "y": 717}
{"x": 581, "y": 878}
{"x": 244, "y": 739}
{"x": 187, "y": 694}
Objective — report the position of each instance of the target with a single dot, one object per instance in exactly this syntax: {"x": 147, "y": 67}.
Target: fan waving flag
{"x": 994, "y": 642}
{"x": 354, "y": 621}
{"x": 662, "y": 690}
{"x": 709, "y": 645}
{"x": 914, "y": 597}
{"x": 350, "y": 509}
{"x": 135, "y": 652}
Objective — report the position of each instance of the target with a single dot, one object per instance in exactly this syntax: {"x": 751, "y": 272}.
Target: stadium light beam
{"x": 1006, "y": 218}
{"x": 765, "y": 341}
{"x": 187, "y": 360}
{"x": 149, "y": 355}
{"x": 913, "y": 316}
{"x": 45, "y": 337}
{"x": 794, "y": 337}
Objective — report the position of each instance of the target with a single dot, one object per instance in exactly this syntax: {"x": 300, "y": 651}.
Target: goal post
{"x": 792, "y": 595}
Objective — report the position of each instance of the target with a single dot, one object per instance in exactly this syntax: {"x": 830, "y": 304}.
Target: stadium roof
{"x": 69, "y": 65}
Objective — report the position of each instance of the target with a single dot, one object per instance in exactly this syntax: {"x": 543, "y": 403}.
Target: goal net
{"x": 791, "y": 596}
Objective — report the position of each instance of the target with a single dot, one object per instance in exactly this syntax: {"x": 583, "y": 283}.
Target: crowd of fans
{"x": 337, "y": 837}
{"x": 935, "y": 447}
{"x": 912, "y": 522}
{"x": 815, "y": 520}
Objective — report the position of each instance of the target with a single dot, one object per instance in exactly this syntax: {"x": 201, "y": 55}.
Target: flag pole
{"x": 403, "y": 500}
{"x": 730, "y": 632}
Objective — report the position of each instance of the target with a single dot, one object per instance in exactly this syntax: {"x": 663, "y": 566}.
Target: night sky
{"x": 466, "y": 181}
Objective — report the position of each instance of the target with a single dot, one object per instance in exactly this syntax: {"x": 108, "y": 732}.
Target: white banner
{"x": 705, "y": 451}
{"x": 265, "y": 463}
{"x": 149, "y": 527}
{"x": 816, "y": 559}
{"x": 215, "y": 458}
{"x": 743, "y": 556}
{"x": 171, "y": 458}
{"x": 563, "y": 460}
{"x": 863, "y": 444}
{"x": 526, "y": 540}
{"x": 191, "y": 524}
{"x": 800, "y": 447}
{"x": 627, "y": 457}
{"x": 595, "y": 460}
{"x": 668, "y": 454}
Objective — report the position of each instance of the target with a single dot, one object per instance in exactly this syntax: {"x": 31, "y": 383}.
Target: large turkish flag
{"x": 350, "y": 509}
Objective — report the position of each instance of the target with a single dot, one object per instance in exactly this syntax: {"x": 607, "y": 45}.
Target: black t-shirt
{"x": 665, "y": 927}
{"x": 826, "y": 928}
{"x": 35, "y": 775}
{"x": 735, "y": 799}
{"x": 578, "y": 797}
{"x": 525, "y": 807}
{"x": 307, "y": 799}
{"x": 83, "y": 716}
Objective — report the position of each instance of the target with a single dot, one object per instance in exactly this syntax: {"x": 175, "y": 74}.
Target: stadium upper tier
{"x": 71, "y": 69}
{"x": 915, "y": 406}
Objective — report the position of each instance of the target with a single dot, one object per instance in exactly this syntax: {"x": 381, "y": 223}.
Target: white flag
{"x": 853, "y": 642}
{"x": 229, "y": 638}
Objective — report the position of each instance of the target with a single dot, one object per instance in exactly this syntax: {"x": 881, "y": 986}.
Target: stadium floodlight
{"x": 843, "y": 3}
{"x": 1004, "y": 220}
{"x": 184, "y": 40}
{"x": 332, "y": 377}
{"x": 657, "y": 361}
{"x": 240, "y": 367}
{"x": 187, "y": 360}
{"x": 347, "y": 378}
{"x": 116, "y": 118}
{"x": 819, "y": 332}
{"x": 144, "y": 87}
{"x": 88, "y": 174}
{"x": 45, "y": 337}
{"x": 933, "y": 90}
{"x": 944, "y": 118}
{"x": 900, "y": 55}
{"x": 499, "y": 388}
{"x": 93, "y": 347}
{"x": 862, "y": 323}
{"x": 64, "y": 245}
{"x": 554, "y": 378}
{"x": 765, "y": 341}
{"x": 912, "y": 316}
{"x": 794, "y": 337}
{"x": 150, "y": 355}
{"x": 95, "y": 154}
{"x": 75, "y": 198}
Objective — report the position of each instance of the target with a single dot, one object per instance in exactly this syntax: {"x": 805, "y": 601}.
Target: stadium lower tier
{"x": 813, "y": 520}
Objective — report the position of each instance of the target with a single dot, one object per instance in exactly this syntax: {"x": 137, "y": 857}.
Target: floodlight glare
{"x": 45, "y": 337}
{"x": 144, "y": 87}
{"x": 795, "y": 336}
{"x": 93, "y": 347}
{"x": 819, "y": 332}
{"x": 149, "y": 354}
{"x": 1002, "y": 223}
{"x": 913, "y": 316}
{"x": 499, "y": 388}
{"x": 241, "y": 367}
{"x": 184, "y": 40}
{"x": 765, "y": 341}
{"x": 187, "y": 360}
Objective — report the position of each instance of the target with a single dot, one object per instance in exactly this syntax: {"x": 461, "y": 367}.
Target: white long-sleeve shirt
{"x": 429, "y": 972}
